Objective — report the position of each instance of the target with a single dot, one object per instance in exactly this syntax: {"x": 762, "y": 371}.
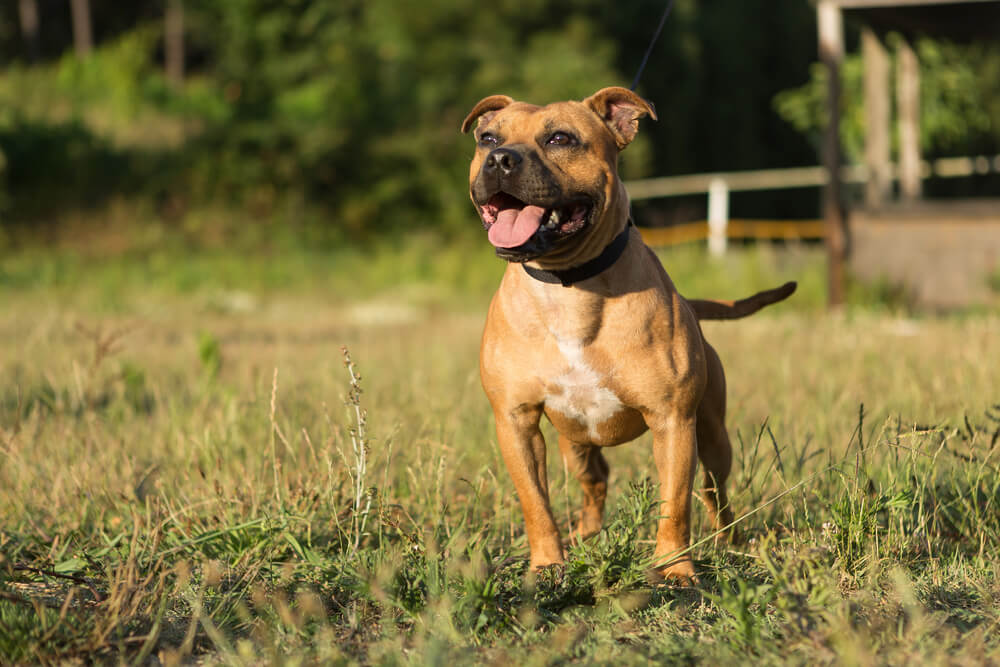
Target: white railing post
{"x": 718, "y": 216}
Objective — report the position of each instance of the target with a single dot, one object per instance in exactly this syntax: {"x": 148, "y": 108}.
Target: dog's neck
{"x": 588, "y": 269}
{"x": 576, "y": 313}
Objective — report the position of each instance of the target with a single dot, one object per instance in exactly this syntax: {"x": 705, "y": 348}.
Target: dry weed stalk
{"x": 274, "y": 447}
{"x": 106, "y": 345}
{"x": 360, "y": 444}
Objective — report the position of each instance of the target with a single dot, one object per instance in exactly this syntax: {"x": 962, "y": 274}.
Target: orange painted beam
{"x": 736, "y": 229}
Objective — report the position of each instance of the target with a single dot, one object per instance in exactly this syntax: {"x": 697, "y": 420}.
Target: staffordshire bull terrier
{"x": 587, "y": 327}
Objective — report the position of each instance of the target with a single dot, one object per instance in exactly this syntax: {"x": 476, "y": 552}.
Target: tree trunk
{"x": 831, "y": 53}
{"x": 83, "y": 39}
{"x": 174, "y": 41}
{"x": 28, "y": 10}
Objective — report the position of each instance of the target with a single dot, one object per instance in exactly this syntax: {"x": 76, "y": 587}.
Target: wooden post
{"x": 831, "y": 53}
{"x": 877, "y": 119}
{"x": 718, "y": 216}
{"x": 83, "y": 38}
{"x": 28, "y": 11}
{"x": 173, "y": 41}
{"x": 908, "y": 104}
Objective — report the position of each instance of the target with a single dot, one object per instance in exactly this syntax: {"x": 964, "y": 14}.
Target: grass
{"x": 190, "y": 472}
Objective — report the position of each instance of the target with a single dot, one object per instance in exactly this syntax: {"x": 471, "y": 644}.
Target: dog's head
{"x": 545, "y": 179}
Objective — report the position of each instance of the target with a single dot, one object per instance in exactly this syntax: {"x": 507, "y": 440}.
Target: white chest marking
{"x": 577, "y": 393}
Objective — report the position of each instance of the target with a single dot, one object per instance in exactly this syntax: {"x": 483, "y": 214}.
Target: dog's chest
{"x": 580, "y": 393}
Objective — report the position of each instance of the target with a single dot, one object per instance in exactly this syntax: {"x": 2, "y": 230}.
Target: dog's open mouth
{"x": 511, "y": 223}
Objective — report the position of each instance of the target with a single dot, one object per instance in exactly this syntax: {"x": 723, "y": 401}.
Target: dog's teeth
{"x": 547, "y": 219}
{"x": 554, "y": 218}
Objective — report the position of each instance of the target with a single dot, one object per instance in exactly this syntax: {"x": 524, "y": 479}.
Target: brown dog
{"x": 586, "y": 327}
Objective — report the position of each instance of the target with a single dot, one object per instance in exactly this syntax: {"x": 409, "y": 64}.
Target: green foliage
{"x": 959, "y": 89}
{"x": 76, "y": 132}
{"x": 4, "y": 197}
{"x": 959, "y": 95}
{"x": 356, "y": 105}
{"x": 209, "y": 354}
{"x": 993, "y": 280}
{"x": 805, "y": 107}
{"x": 612, "y": 557}
{"x": 744, "y": 605}
{"x": 134, "y": 391}
{"x": 119, "y": 94}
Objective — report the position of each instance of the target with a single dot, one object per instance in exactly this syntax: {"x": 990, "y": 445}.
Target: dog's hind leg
{"x": 588, "y": 465}
{"x": 714, "y": 448}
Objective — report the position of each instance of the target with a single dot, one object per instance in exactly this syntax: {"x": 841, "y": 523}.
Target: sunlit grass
{"x": 181, "y": 448}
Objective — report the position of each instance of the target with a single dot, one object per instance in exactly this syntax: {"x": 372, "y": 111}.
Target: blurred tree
{"x": 959, "y": 100}
{"x": 83, "y": 38}
{"x": 358, "y": 103}
{"x": 355, "y": 104}
{"x": 173, "y": 41}
{"x": 28, "y": 14}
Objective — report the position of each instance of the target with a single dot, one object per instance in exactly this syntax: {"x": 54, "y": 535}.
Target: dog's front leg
{"x": 675, "y": 450}
{"x": 523, "y": 450}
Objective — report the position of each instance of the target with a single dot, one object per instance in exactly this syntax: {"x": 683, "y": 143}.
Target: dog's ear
{"x": 485, "y": 109}
{"x": 620, "y": 109}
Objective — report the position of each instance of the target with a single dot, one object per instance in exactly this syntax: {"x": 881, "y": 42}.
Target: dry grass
{"x": 190, "y": 468}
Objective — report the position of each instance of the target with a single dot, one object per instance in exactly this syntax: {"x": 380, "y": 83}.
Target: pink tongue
{"x": 514, "y": 228}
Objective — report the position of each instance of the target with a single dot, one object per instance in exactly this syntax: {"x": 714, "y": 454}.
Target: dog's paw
{"x": 678, "y": 573}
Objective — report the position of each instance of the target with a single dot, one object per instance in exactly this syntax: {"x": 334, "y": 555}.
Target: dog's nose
{"x": 503, "y": 159}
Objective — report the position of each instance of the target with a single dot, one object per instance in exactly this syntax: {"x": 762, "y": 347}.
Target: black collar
{"x": 588, "y": 269}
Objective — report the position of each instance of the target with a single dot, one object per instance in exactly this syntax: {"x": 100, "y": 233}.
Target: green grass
{"x": 180, "y": 437}
{"x": 123, "y": 268}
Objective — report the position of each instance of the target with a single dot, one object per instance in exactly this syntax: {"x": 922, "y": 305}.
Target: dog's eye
{"x": 487, "y": 139}
{"x": 561, "y": 139}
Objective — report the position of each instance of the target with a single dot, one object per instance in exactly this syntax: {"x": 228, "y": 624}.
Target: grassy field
{"x": 189, "y": 471}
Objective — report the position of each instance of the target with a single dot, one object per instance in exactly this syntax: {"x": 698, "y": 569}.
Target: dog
{"x": 587, "y": 327}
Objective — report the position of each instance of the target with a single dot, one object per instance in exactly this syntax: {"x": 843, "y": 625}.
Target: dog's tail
{"x": 707, "y": 309}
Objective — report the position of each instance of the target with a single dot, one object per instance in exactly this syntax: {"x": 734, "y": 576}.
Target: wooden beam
{"x": 798, "y": 177}
{"x": 877, "y": 119}
{"x": 830, "y": 24}
{"x": 759, "y": 230}
{"x": 908, "y": 110}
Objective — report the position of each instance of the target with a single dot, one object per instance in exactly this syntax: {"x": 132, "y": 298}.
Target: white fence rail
{"x": 718, "y": 185}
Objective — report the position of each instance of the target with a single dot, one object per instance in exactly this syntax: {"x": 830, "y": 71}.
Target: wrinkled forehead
{"x": 529, "y": 119}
